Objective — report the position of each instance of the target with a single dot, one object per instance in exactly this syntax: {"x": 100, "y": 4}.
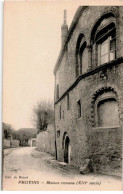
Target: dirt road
{"x": 23, "y": 171}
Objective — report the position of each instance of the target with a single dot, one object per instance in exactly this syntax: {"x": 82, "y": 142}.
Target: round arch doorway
{"x": 66, "y": 148}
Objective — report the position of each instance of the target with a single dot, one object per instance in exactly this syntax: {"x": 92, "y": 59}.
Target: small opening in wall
{"x": 79, "y": 108}
{"x": 60, "y": 112}
{"x": 58, "y": 133}
{"x": 57, "y": 92}
{"x": 68, "y": 102}
{"x": 63, "y": 114}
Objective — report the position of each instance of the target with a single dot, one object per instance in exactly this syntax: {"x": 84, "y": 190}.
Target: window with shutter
{"x": 104, "y": 40}
{"x": 106, "y": 44}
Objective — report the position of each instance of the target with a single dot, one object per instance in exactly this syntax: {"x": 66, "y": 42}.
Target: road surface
{"x": 23, "y": 171}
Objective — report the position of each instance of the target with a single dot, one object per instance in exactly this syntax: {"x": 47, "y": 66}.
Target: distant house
{"x": 32, "y": 142}
{"x": 25, "y": 134}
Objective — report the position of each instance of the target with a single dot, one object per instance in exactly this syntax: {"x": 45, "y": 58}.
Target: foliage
{"x": 24, "y": 134}
{"x": 43, "y": 114}
{"x": 8, "y": 130}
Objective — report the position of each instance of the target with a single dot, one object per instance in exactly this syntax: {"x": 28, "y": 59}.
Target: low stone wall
{"x": 46, "y": 140}
{"x": 106, "y": 150}
{"x": 15, "y": 143}
{"x": 6, "y": 143}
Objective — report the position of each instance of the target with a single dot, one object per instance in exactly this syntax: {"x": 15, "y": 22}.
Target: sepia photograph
{"x": 62, "y": 95}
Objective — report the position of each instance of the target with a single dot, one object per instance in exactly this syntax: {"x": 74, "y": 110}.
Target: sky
{"x": 32, "y": 42}
{"x": 31, "y": 45}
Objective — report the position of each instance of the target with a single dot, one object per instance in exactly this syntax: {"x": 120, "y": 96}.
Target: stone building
{"x": 32, "y": 142}
{"x": 89, "y": 89}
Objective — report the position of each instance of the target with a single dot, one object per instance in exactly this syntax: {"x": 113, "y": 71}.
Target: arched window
{"x": 84, "y": 62}
{"x": 107, "y": 111}
{"x": 106, "y": 107}
{"x": 104, "y": 41}
{"x": 81, "y": 56}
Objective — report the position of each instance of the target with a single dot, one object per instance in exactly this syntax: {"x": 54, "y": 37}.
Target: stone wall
{"x": 6, "y": 143}
{"x": 46, "y": 140}
{"x": 79, "y": 129}
{"x": 106, "y": 149}
{"x": 11, "y": 143}
{"x": 15, "y": 143}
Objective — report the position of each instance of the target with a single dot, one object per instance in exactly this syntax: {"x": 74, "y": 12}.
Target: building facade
{"x": 89, "y": 89}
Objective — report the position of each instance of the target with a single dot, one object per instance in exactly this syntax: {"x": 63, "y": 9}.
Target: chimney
{"x": 64, "y": 28}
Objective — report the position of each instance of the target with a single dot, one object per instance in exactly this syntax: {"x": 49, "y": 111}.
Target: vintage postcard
{"x": 62, "y": 95}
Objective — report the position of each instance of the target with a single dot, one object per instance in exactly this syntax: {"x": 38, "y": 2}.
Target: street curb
{"x": 54, "y": 163}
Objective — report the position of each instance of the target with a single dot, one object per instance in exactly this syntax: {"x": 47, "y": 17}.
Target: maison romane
{"x": 89, "y": 89}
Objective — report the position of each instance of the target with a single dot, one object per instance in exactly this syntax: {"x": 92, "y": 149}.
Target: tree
{"x": 24, "y": 134}
{"x": 8, "y": 130}
{"x": 43, "y": 114}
